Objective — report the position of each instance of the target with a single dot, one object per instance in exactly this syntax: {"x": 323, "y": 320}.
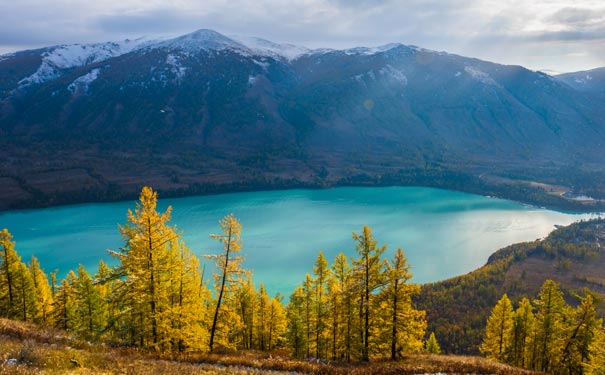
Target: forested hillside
{"x": 458, "y": 308}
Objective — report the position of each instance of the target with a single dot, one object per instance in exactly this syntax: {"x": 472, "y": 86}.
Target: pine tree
{"x": 229, "y": 272}
{"x": 498, "y": 330}
{"x": 432, "y": 346}
{"x": 368, "y": 271}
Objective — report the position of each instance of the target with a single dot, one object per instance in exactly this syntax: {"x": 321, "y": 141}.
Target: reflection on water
{"x": 443, "y": 233}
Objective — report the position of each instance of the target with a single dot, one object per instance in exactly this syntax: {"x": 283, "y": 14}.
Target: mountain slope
{"x": 572, "y": 256}
{"x": 204, "y": 112}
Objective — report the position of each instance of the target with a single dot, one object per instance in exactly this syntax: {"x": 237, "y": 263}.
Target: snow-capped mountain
{"x": 205, "y": 108}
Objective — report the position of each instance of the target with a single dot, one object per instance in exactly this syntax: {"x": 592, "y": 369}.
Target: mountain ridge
{"x": 204, "y": 111}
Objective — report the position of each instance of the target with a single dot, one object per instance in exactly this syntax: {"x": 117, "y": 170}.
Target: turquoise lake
{"x": 443, "y": 233}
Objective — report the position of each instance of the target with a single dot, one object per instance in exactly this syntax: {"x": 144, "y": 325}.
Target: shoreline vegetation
{"x": 522, "y": 189}
{"x": 359, "y": 314}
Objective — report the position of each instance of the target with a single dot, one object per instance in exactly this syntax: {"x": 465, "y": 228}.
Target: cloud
{"x": 499, "y": 30}
{"x": 578, "y": 18}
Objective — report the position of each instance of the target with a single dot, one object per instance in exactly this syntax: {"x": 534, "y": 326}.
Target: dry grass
{"x": 47, "y": 351}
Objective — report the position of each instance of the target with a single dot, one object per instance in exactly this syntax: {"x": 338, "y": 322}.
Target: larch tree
{"x": 186, "y": 311}
{"x": 498, "y": 330}
{"x": 551, "y": 312}
{"x": 246, "y": 301}
{"x": 147, "y": 260}
{"x": 369, "y": 274}
{"x": 65, "y": 303}
{"x": 519, "y": 353}
{"x": 296, "y": 327}
{"x": 89, "y": 319}
{"x": 24, "y": 306}
{"x": 432, "y": 346}
{"x": 9, "y": 264}
{"x": 42, "y": 292}
{"x": 308, "y": 316}
{"x": 581, "y": 332}
{"x": 322, "y": 278}
{"x": 407, "y": 326}
{"x": 343, "y": 306}
{"x": 228, "y": 265}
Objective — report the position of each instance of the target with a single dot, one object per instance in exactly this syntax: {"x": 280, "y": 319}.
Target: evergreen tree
{"x": 498, "y": 330}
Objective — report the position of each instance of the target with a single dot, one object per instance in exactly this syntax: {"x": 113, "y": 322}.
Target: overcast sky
{"x": 549, "y": 35}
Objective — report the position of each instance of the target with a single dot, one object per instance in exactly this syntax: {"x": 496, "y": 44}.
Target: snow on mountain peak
{"x": 265, "y": 47}
{"x": 58, "y": 58}
{"x": 203, "y": 39}
{"x": 371, "y": 50}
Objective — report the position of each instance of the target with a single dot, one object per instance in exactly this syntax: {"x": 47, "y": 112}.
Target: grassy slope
{"x": 458, "y": 308}
{"x": 41, "y": 350}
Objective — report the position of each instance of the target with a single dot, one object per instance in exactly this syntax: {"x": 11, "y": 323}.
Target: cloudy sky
{"x": 550, "y": 35}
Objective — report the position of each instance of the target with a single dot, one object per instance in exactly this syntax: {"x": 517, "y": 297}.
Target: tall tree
{"x": 368, "y": 270}
{"x": 322, "y": 278}
{"x": 343, "y": 306}
{"x": 148, "y": 261}
{"x": 407, "y": 324}
{"x": 9, "y": 266}
{"x": 42, "y": 291}
{"x": 296, "y": 328}
{"x": 551, "y": 312}
{"x": 227, "y": 263}
{"x": 498, "y": 330}
{"x": 89, "y": 320}
{"x": 523, "y": 326}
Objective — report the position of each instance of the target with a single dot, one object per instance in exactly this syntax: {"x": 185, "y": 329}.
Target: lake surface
{"x": 443, "y": 233}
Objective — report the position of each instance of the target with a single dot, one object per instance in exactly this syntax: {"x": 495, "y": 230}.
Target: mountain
{"x": 204, "y": 112}
{"x": 588, "y": 81}
{"x": 571, "y": 256}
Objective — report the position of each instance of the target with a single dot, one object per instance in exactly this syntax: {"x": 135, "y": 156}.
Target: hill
{"x": 458, "y": 308}
{"x": 29, "y": 349}
{"x": 204, "y": 112}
